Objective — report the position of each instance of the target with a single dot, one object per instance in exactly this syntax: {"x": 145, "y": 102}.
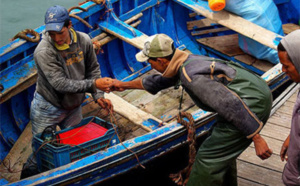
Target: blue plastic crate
{"x": 50, "y": 156}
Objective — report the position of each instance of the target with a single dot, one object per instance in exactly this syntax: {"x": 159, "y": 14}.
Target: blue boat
{"x": 118, "y": 29}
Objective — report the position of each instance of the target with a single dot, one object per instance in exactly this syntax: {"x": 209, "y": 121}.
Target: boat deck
{"x": 254, "y": 171}
{"x": 164, "y": 106}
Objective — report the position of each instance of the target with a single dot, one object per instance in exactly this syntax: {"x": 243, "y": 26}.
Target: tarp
{"x": 263, "y": 13}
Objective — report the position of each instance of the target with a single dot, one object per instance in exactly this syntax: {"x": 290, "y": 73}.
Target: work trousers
{"x": 44, "y": 114}
{"x": 215, "y": 162}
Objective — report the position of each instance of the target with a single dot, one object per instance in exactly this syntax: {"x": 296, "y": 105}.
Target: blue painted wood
{"x": 117, "y": 60}
{"x": 97, "y": 167}
{"x": 8, "y": 126}
{"x": 20, "y": 109}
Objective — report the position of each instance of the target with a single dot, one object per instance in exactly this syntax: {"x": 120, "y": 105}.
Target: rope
{"x": 182, "y": 177}
{"x": 22, "y": 35}
{"x": 8, "y": 168}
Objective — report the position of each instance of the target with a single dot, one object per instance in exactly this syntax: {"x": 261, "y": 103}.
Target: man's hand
{"x": 261, "y": 147}
{"x": 105, "y": 103}
{"x": 284, "y": 148}
{"x": 117, "y": 85}
{"x": 104, "y": 84}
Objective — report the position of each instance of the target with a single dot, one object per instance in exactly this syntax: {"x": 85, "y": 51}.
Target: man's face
{"x": 288, "y": 67}
{"x": 61, "y": 37}
{"x": 158, "y": 64}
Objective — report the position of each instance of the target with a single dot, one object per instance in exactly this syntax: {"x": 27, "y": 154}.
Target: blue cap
{"x": 55, "y": 18}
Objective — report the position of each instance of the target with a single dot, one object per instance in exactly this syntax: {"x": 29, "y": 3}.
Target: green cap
{"x": 158, "y": 45}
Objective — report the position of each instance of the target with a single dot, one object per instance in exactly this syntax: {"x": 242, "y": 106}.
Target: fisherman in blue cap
{"x": 242, "y": 100}
{"x": 67, "y": 68}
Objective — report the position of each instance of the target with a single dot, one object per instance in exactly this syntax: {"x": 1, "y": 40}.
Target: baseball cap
{"x": 158, "y": 45}
{"x": 55, "y": 18}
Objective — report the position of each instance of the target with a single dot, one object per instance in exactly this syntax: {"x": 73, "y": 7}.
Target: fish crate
{"x": 91, "y": 135}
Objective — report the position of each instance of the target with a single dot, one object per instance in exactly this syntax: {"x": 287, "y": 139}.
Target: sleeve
{"x": 92, "y": 66}
{"x": 226, "y": 103}
{"x": 155, "y": 83}
{"x": 56, "y": 75}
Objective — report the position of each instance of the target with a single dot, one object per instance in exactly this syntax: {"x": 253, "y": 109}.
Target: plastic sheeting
{"x": 263, "y": 13}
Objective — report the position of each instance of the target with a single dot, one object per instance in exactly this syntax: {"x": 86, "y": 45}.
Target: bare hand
{"x": 117, "y": 85}
{"x": 261, "y": 147}
{"x": 284, "y": 148}
{"x": 105, "y": 103}
{"x": 104, "y": 84}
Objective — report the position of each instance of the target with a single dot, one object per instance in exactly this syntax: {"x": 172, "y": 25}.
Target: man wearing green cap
{"x": 242, "y": 100}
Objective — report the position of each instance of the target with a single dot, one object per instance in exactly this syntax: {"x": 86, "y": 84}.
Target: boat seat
{"x": 227, "y": 45}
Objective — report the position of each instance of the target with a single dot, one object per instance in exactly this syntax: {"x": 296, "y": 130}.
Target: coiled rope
{"x": 182, "y": 177}
{"x": 22, "y": 35}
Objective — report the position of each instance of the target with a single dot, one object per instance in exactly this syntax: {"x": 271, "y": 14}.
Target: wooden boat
{"x": 120, "y": 27}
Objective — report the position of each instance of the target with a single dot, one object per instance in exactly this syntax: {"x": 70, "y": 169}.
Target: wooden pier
{"x": 254, "y": 171}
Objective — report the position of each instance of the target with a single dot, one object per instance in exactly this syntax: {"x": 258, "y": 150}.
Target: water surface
{"x": 17, "y": 15}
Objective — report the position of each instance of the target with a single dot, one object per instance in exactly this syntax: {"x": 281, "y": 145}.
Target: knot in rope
{"x": 22, "y": 35}
{"x": 182, "y": 177}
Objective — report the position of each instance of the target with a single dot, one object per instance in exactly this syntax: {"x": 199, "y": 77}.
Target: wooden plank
{"x": 273, "y": 163}
{"x": 275, "y": 131}
{"x": 281, "y": 120}
{"x": 293, "y": 98}
{"x": 17, "y": 156}
{"x": 200, "y": 23}
{"x": 245, "y": 182}
{"x": 284, "y": 110}
{"x": 227, "y": 44}
{"x": 254, "y": 173}
{"x": 234, "y": 22}
{"x": 283, "y": 97}
{"x": 250, "y": 60}
{"x": 289, "y": 27}
{"x": 274, "y": 144}
{"x": 207, "y": 31}
{"x": 129, "y": 111}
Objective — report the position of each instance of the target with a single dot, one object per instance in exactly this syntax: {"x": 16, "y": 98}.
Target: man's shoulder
{"x": 44, "y": 46}
{"x": 83, "y": 36}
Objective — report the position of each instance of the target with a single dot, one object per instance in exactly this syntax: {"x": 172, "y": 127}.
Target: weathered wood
{"x": 274, "y": 144}
{"x": 104, "y": 38}
{"x": 128, "y": 21}
{"x": 250, "y": 60}
{"x": 273, "y": 163}
{"x": 289, "y": 27}
{"x": 245, "y": 182}
{"x": 235, "y": 22}
{"x": 23, "y": 84}
{"x": 275, "y": 131}
{"x": 284, "y": 96}
{"x": 129, "y": 111}
{"x": 227, "y": 44}
{"x": 17, "y": 156}
{"x": 254, "y": 173}
{"x": 200, "y": 23}
{"x": 207, "y": 31}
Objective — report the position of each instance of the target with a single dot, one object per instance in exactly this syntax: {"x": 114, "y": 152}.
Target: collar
{"x": 175, "y": 63}
{"x": 66, "y": 46}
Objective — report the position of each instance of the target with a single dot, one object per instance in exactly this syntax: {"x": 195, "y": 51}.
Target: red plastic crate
{"x": 81, "y": 134}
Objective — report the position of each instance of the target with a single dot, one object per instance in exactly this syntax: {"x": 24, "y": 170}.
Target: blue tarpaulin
{"x": 263, "y": 13}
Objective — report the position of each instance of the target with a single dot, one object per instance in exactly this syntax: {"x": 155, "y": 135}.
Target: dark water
{"x": 17, "y": 15}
